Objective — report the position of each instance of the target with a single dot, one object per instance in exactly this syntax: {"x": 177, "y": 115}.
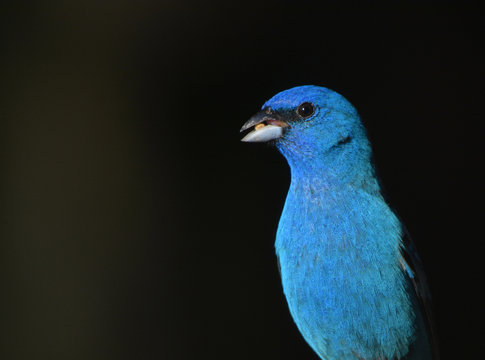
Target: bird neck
{"x": 337, "y": 170}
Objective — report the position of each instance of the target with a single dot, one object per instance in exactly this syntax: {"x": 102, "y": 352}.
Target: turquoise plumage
{"x": 350, "y": 274}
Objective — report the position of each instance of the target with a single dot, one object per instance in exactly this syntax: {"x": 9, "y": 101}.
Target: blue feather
{"x": 339, "y": 245}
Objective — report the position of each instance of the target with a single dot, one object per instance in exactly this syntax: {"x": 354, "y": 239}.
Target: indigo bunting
{"x": 350, "y": 273}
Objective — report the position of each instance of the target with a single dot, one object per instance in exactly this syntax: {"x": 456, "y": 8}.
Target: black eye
{"x": 305, "y": 110}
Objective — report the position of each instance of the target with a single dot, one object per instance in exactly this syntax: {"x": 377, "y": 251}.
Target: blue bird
{"x": 350, "y": 273}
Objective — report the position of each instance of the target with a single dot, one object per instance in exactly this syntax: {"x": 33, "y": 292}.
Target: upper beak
{"x": 266, "y": 127}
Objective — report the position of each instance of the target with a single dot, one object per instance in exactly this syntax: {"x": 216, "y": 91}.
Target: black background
{"x": 135, "y": 225}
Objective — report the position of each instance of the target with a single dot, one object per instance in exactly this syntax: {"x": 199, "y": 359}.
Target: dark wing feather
{"x": 412, "y": 263}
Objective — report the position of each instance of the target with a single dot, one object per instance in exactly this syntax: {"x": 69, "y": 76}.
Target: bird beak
{"x": 266, "y": 127}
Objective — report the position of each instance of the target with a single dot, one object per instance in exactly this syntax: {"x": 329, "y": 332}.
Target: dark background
{"x": 135, "y": 225}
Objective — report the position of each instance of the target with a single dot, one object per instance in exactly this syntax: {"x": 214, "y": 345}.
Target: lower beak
{"x": 265, "y": 128}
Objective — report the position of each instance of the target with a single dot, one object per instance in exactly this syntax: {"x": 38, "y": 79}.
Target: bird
{"x": 352, "y": 278}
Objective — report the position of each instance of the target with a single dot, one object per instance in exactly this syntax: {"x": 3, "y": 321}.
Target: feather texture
{"x": 350, "y": 274}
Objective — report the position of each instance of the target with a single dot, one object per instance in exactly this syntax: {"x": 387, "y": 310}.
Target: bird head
{"x": 313, "y": 127}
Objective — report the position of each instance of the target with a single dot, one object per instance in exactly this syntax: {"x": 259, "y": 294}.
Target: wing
{"x": 412, "y": 265}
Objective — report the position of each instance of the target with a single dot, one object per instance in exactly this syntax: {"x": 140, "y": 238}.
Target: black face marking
{"x": 344, "y": 141}
{"x": 305, "y": 110}
{"x": 340, "y": 143}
